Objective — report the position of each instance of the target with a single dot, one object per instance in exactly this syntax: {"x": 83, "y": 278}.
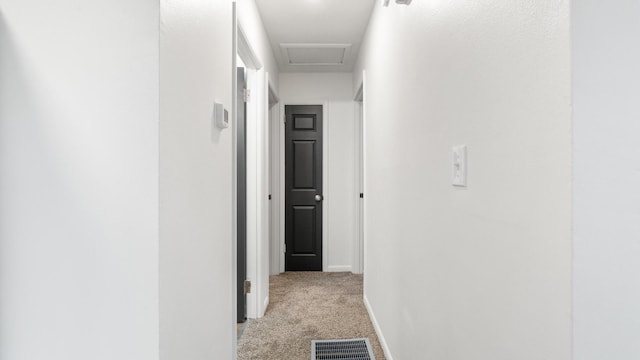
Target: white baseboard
{"x": 376, "y": 326}
{"x": 339, "y": 268}
{"x": 266, "y": 303}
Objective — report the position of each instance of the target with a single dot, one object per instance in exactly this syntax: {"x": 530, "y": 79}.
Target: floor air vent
{"x": 348, "y": 349}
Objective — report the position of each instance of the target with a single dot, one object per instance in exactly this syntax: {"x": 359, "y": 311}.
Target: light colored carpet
{"x": 307, "y": 306}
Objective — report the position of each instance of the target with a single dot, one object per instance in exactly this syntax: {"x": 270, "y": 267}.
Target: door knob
{"x": 318, "y": 197}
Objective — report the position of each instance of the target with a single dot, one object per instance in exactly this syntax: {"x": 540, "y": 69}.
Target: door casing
{"x": 258, "y": 256}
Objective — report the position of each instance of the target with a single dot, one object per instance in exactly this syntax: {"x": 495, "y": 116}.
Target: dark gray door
{"x": 242, "y": 195}
{"x": 303, "y": 187}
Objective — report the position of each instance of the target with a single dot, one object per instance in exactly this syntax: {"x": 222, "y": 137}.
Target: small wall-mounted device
{"x": 220, "y": 116}
{"x": 459, "y": 175}
{"x": 399, "y": 2}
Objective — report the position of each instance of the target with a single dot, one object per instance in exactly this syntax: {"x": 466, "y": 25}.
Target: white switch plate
{"x": 459, "y": 174}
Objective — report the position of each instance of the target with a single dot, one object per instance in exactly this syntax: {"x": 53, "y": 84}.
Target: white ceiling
{"x": 328, "y": 26}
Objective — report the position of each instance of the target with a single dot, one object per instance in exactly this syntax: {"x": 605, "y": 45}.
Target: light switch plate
{"x": 459, "y": 168}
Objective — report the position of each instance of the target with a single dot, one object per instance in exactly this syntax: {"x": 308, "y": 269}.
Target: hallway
{"x": 480, "y": 167}
{"x": 308, "y": 306}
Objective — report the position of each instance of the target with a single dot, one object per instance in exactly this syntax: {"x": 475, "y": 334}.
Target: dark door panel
{"x": 304, "y": 230}
{"x": 303, "y": 187}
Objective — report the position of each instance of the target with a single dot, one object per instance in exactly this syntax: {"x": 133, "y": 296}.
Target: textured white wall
{"x": 336, "y": 90}
{"x": 606, "y": 223}
{"x": 481, "y": 273}
{"x": 78, "y": 180}
{"x": 196, "y": 254}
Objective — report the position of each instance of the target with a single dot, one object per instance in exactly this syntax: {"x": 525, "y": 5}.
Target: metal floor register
{"x": 347, "y": 349}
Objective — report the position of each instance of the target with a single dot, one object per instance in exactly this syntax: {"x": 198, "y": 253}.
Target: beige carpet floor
{"x": 307, "y": 306}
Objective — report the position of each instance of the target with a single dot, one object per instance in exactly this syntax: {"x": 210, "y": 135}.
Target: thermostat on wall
{"x": 220, "y": 116}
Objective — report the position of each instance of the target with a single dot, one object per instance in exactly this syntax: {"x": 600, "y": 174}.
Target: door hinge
{"x": 284, "y": 119}
{"x": 247, "y": 95}
{"x": 247, "y": 287}
{"x": 361, "y": 195}
{"x": 285, "y": 249}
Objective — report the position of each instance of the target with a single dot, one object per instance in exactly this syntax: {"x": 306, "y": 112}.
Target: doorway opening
{"x": 241, "y": 191}
{"x": 319, "y": 200}
{"x": 342, "y": 236}
{"x": 255, "y": 100}
{"x": 360, "y": 177}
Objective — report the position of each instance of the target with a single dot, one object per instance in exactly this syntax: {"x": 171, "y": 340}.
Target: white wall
{"x": 485, "y": 272}
{"x": 335, "y": 90}
{"x": 196, "y": 246}
{"x": 606, "y": 224}
{"x": 79, "y": 179}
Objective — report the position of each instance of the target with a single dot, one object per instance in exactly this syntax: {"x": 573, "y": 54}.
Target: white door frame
{"x": 257, "y": 178}
{"x": 234, "y": 180}
{"x": 358, "y": 261}
{"x": 274, "y": 170}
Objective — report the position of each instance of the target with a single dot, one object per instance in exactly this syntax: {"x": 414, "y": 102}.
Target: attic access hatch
{"x": 315, "y": 54}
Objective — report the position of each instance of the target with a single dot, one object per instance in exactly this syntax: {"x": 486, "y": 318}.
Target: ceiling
{"x": 315, "y": 35}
